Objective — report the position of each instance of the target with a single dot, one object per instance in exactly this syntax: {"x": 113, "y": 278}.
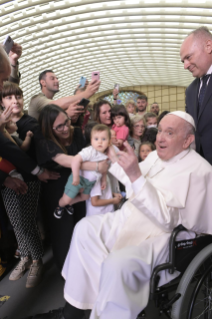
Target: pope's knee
{"x": 118, "y": 263}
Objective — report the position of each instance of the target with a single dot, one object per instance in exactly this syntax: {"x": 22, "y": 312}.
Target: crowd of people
{"x": 101, "y": 163}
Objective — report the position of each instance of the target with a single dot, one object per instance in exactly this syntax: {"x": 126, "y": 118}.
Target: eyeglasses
{"x": 60, "y": 127}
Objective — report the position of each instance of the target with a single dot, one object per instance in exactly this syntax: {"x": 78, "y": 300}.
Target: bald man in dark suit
{"x": 196, "y": 54}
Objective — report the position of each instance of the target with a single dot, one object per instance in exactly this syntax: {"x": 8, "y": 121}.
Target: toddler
{"x": 145, "y": 149}
{"x": 151, "y": 120}
{"x": 78, "y": 180}
{"x": 121, "y": 124}
{"x": 12, "y": 128}
{"x": 9, "y": 127}
{"x": 131, "y": 108}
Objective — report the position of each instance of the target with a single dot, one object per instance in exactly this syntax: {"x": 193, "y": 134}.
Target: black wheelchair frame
{"x": 191, "y": 291}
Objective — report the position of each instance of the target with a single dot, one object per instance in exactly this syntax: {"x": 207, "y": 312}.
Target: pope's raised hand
{"x": 129, "y": 162}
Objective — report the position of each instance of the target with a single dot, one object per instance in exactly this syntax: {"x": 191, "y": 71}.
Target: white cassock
{"x": 111, "y": 258}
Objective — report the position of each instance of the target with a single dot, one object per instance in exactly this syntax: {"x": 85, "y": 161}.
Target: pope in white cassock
{"x": 111, "y": 257}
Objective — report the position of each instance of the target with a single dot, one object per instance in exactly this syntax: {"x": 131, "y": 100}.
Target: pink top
{"x": 122, "y": 133}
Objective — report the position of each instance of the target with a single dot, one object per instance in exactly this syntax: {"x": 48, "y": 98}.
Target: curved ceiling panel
{"x": 131, "y": 42}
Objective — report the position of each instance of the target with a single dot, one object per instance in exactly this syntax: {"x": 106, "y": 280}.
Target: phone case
{"x": 8, "y": 44}
{"x": 82, "y": 81}
{"x": 95, "y": 75}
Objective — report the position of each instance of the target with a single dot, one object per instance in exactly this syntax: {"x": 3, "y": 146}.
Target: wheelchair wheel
{"x": 195, "y": 288}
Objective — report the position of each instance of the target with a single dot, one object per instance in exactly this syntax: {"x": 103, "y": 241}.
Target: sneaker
{"x": 21, "y": 268}
{"x": 34, "y": 275}
{"x": 69, "y": 209}
{"x": 58, "y": 213}
{"x": 53, "y": 314}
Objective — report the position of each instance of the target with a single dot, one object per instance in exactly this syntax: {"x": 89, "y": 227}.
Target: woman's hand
{"x": 16, "y": 184}
{"x": 29, "y": 134}
{"x": 5, "y": 117}
{"x": 74, "y": 110}
{"x": 48, "y": 175}
{"x": 103, "y": 166}
{"x": 115, "y": 93}
{"x": 129, "y": 162}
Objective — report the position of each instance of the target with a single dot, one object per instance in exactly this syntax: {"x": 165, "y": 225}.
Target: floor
{"x": 17, "y": 302}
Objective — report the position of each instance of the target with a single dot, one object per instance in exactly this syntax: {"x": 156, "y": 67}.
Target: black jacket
{"x": 203, "y": 121}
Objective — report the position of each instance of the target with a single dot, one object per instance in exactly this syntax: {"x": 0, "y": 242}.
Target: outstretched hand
{"x": 129, "y": 162}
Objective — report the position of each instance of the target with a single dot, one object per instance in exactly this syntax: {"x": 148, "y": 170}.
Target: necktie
{"x": 203, "y": 90}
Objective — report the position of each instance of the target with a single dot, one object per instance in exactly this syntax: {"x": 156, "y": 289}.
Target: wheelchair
{"x": 189, "y": 296}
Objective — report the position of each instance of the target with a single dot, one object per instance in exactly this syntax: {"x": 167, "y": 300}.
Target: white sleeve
{"x": 96, "y": 189}
{"x": 151, "y": 202}
{"x": 86, "y": 153}
{"x": 117, "y": 171}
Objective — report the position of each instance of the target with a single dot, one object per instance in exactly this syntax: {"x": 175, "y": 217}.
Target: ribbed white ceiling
{"x": 130, "y": 42}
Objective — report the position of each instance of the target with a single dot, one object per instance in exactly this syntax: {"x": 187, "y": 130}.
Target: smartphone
{"x": 82, "y": 82}
{"x": 84, "y": 102}
{"x": 95, "y": 76}
{"x": 117, "y": 86}
{"x": 8, "y": 44}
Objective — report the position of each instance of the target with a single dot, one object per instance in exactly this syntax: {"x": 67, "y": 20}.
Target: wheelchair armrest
{"x": 170, "y": 265}
{"x": 172, "y": 240}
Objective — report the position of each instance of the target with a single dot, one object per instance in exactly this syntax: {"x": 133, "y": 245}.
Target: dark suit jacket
{"x": 203, "y": 121}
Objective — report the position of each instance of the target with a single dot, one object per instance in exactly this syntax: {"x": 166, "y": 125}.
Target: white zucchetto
{"x": 185, "y": 116}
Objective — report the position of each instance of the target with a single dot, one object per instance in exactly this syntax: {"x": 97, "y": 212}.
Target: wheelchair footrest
{"x": 168, "y": 304}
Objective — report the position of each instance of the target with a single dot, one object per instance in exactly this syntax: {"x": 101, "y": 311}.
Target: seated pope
{"x": 111, "y": 256}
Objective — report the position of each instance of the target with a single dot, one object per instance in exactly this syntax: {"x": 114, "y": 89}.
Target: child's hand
{"x": 103, "y": 185}
{"x": 76, "y": 181}
{"x": 117, "y": 198}
{"x": 29, "y": 134}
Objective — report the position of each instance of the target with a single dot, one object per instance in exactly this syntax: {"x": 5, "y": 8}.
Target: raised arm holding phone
{"x": 50, "y": 86}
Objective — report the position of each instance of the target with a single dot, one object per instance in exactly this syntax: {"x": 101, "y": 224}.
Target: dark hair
{"x": 87, "y": 132}
{"x": 121, "y": 110}
{"x": 46, "y": 121}
{"x": 142, "y": 97}
{"x": 162, "y": 115}
{"x": 10, "y": 88}
{"x": 149, "y": 135}
{"x": 101, "y": 128}
{"x": 42, "y": 76}
{"x": 152, "y": 146}
{"x": 96, "y": 109}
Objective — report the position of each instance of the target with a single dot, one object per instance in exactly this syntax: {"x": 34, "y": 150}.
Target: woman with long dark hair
{"x": 61, "y": 142}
